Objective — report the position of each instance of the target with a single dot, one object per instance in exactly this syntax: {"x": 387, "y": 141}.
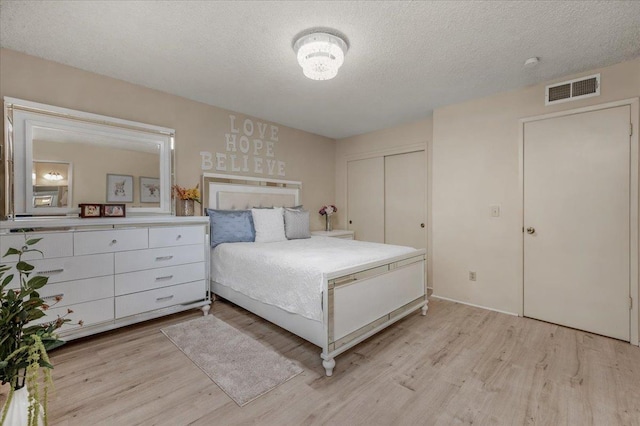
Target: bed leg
{"x": 205, "y": 309}
{"x": 425, "y": 308}
{"x": 328, "y": 365}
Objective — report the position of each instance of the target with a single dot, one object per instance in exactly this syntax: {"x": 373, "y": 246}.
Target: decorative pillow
{"x": 269, "y": 225}
{"x": 296, "y": 224}
{"x": 231, "y": 226}
{"x": 299, "y": 208}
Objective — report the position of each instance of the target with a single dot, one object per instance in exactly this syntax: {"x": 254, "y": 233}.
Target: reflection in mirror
{"x": 62, "y": 158}
{"x": 51, "y": 183}
{"x": 95, "y": 157}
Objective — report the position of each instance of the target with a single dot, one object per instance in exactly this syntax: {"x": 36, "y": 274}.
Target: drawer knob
{"x": 163, "y": 299}
{"x": 114, "y": 241}
{"x": 166, "y": 277}
{"x": 54, "y": 297}
{"x": 50, "y": 271}
{"x": 179, "y": 236}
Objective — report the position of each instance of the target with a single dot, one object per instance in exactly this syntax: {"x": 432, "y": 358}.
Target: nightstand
{"x": 336, "y": 233}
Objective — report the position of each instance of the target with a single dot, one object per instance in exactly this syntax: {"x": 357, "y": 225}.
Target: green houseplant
{"x": 24, "y": 347}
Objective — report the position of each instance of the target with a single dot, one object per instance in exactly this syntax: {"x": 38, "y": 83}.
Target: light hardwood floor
{"x": 457, "y": 365}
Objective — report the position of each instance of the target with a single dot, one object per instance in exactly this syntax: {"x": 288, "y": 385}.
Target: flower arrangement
{"x": 24, "y": 348}
{"x": 187, "y": 193}
{"x": 328, "y": 210}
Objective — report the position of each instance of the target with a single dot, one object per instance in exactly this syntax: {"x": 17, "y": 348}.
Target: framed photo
{"x": 119, "y": 188}
{"x": 149, "y": 190}
{"x": 113, "y": 210}
{"x": 90, "y": 210}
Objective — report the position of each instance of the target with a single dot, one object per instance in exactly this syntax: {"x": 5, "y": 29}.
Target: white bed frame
{"x": 357, "y": 302}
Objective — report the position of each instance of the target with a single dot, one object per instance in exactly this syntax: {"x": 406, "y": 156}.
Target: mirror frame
{"x": 21, "y": 117}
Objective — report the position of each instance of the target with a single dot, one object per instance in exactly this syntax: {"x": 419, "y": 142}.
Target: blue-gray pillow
{"x": 296, "y": 224}
{"x": 231, "y": 226}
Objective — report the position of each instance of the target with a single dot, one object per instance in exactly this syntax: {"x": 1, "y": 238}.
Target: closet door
{"x": 405, "y": 199}
{"x": 365, "y": 199}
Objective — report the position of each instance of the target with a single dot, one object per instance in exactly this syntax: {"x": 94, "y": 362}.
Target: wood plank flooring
{"x": 458, "y": 365}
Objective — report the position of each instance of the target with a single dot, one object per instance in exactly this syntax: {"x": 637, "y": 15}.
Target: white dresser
{"x": 115, "y": 272}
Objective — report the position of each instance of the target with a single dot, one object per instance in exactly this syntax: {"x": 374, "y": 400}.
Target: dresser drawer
{"x": 77, "y": 291}
{"x": 109, "y": 241}
{"x": 139, "y": 260}
{"x": 90, "y": 313}
{"x": 133, "y": 282}
{"x": 58, "y": 244}
{"x": 69, "y": 268}
{"x": 176, "y": 236}
{"x": 150, "y": 300}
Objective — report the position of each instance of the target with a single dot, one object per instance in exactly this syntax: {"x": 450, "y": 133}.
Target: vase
{"x": 185, "y": 208}
{"x": 327, "y": 224}
{"x": 17, "y": 413}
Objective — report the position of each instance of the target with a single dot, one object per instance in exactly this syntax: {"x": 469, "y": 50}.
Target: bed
{"x": 332, "y": 292}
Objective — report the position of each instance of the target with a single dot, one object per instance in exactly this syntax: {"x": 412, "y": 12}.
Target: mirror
{"x": 62, "y": 158}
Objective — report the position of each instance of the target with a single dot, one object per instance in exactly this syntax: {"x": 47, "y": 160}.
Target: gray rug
{"x": 242, "y": 367}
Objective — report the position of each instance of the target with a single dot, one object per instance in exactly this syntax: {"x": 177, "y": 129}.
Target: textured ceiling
{"x": 405, "y": 58}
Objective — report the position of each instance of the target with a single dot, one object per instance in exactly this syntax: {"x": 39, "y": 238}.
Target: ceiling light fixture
{"x": 320, "y": 55}
{"x": 53, "y": 176}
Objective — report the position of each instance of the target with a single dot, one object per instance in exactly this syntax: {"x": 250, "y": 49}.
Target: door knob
{"x": 531, "y": 230}
{"x": 422, "y": 225}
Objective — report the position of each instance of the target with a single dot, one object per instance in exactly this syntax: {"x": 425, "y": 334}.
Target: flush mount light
{"x": 320, "y": 55}
{"x": 53, "y": 176}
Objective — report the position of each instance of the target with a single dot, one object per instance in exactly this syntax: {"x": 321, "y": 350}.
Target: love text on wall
{"x": 249, "y": 148}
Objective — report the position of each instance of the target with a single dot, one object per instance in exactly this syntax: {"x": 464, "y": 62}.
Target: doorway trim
{"x": 634, "y": 292}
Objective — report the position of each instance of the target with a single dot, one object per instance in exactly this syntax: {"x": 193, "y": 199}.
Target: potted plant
{"x": 187, "y": 196}
{"x": 24, "y": 347}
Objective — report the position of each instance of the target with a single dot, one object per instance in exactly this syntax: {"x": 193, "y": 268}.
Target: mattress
{"x": 289, "y": 274}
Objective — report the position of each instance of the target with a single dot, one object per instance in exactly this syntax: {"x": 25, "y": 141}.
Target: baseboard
{"x": 471, "y": 304}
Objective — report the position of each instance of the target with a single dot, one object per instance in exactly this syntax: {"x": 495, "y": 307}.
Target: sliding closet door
{"x": 405, "y": 199}
{"x": 365, "y": 199}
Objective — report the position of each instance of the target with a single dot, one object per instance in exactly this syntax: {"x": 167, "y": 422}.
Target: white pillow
{"x": 269, "y": 224}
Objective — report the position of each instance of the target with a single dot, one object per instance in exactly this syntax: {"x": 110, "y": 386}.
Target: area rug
{"x": 241, "y": 366}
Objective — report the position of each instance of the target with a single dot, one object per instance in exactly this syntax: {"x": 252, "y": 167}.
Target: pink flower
{"x": 328, "y": 210}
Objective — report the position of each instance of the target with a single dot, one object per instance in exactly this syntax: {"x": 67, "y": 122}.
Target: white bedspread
{"x": 288, "y": 274}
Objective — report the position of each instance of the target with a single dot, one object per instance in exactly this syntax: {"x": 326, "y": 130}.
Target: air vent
{"x": 571, "y": 90}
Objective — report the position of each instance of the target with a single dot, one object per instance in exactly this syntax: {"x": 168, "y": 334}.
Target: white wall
{"x": 475, "y": 165}
{"x": 199, "y": 128}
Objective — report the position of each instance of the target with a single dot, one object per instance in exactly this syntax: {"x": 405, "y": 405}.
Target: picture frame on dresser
{"x": 88, "y": 210}
{"x": 119, "y": 188}
{"x": 114, "y": 210}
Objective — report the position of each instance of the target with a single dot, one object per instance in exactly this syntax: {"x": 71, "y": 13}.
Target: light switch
{"x": 495, "y": 211}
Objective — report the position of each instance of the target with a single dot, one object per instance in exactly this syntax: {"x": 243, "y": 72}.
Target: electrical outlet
{"x": 495, "y": 211}
{"x": 472, "y": 276}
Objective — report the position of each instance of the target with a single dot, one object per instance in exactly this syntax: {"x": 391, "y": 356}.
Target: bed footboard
{"x": 362, "y": 303}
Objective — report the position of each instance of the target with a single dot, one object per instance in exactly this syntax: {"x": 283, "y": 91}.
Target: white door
{"x": 365, "y": 199}
{"x": 405, "y": 200}
{"x": 576, "y": 219}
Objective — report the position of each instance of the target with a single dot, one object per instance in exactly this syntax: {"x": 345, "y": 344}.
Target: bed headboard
{"x": 229, "y": 192}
